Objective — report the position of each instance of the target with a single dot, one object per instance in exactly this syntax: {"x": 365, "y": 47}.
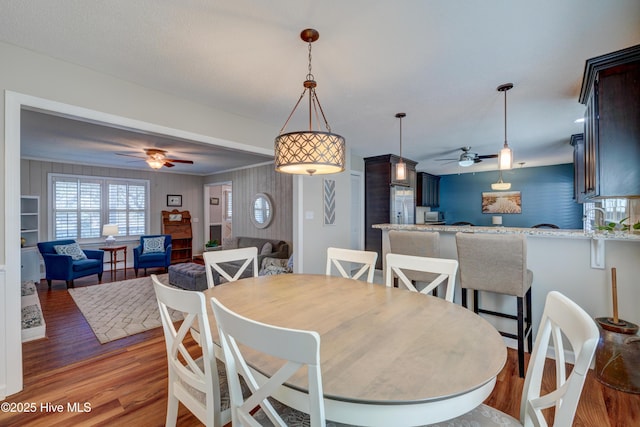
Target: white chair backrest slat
{"x": 213, "y": 259}
{"x": 446, "y": 269}
{"x": 339, "y": 257}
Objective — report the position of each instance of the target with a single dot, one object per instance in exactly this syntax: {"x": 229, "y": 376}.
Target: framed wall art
{"x": 329, "y": 198}
{"x": 214, "y": 201}
{"x": 503, "y": 202}
{"x": 174, "y": 200}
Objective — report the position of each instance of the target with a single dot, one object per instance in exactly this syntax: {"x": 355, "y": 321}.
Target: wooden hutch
{"x": 178, "y": 225}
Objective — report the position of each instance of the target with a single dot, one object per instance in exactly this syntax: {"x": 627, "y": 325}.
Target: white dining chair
{"x": 294, "y": 348}
{"x": 416, "y": 243}
{"x": 561, "y": 317}
{"x": 197, "y": 380}
{"x": 230, "y": 263}
{"x": 341, "y": 258}
{"x": 444, "y": 270}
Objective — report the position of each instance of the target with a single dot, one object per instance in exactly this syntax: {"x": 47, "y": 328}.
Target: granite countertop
{"x": 535, "y": 232}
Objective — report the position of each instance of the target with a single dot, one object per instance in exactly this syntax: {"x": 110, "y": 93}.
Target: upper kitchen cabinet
{"x": 577, "y": 142}
{"x": 428, "y": 190}
{"x": 610, "y": 91}
{"x": 382, "y": 170}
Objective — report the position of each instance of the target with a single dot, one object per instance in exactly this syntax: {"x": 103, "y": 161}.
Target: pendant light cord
{"x": 505, "y": 118}
{"x": 400, "y": 138}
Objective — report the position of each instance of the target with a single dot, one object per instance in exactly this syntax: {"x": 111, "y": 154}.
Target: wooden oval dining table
{"x": 389, "y": 356}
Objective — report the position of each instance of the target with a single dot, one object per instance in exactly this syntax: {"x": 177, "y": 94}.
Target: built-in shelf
{"x": 29, "y": 237}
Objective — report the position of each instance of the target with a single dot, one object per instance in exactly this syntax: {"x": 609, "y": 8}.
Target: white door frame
{"x": 10, "y": 316}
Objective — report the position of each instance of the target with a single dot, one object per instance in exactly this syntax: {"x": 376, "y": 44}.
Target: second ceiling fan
{"x": 468, "y": 158}
{"x": 157, "y": 158}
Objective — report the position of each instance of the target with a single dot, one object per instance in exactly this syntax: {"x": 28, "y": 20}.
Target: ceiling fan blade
{"x": 189, "y": 162}
{"x": 169, "y": 165}
{"x": 129, "y": 155}
{"x": 488, "y": 156}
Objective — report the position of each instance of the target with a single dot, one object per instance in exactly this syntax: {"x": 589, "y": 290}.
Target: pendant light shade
{"x": 401, "y": 167}
{"x": 505, "y": 157}
{"x": 309, "y": 151}
{"x": 500, "y": 185}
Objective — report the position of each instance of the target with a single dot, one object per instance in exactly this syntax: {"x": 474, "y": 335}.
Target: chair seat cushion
{"x": 225, "y": 400}
{"x": 482, "y": 416}
{"x": 153, "y": 257}
{"x": 85, "y": 264}
{"x": 291, "y": 417}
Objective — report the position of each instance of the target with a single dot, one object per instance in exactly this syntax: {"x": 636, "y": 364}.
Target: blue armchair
{"x": 61, "y": 265}
{"x": 150, "y": 254}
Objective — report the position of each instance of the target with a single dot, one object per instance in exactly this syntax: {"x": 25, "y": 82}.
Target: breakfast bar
{"x": 561, "y": 260}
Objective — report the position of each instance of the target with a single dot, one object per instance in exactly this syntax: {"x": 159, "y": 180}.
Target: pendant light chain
{"x": 309, "y": 75}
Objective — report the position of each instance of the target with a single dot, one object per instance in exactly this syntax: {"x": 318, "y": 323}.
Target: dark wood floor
{"x": 124, "y": 381}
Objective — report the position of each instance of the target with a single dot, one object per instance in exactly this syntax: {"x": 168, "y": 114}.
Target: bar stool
{"x": 498, "y": 263}
{"x": 416, "y": 243}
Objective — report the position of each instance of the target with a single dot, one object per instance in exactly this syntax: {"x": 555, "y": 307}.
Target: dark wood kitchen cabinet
{"x": 379, "y": 176}
{"x": 428, "y": 190}
{"x": 610, "y": 91}
{"x": 579, "y": 189}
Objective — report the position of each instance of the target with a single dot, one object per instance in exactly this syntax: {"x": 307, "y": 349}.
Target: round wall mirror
{"x": 261, "y": 210}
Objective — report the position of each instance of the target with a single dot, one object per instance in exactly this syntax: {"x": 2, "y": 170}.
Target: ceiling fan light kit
{"x": 466, "y": 160}
{"x": 505, "y": 158}
{"x": 309, "y": 152}
{"x": 157, "y": 158}
{"x": 401, "y": 167}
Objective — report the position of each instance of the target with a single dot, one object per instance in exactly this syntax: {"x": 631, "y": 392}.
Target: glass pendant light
{"x": 401, "y": 167}
{"x": 505, "y": 157}
{"x": 500, "y": 185}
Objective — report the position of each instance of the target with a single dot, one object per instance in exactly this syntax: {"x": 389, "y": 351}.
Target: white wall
{"x": 309, "y": 232}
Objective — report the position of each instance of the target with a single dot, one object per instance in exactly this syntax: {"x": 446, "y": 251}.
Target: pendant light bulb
{"x": 401, "y": 167}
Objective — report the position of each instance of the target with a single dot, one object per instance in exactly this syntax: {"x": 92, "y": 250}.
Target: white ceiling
{"x": 439, "y": 61}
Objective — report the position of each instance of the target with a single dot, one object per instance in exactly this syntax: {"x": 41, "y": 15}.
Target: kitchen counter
{"x": 570, "y": 261}
{"x": 535, "y": 232}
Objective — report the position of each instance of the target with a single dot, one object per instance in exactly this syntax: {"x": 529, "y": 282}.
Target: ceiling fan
{"x": 156, "y": 158}
{"x": 468, "y": 158}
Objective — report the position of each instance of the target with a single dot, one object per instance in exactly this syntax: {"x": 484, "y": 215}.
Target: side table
{"x": 113, "y": 258}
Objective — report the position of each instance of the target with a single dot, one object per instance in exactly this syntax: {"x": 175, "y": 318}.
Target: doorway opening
{"x": 218, "y": 213}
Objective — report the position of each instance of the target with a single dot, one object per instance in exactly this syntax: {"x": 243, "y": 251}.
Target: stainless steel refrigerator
{"x": 403, "y": 205}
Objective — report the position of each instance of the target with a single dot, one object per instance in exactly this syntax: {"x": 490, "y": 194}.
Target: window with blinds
{"x": 82, "y": 204}
{"x": 228, "y": 205}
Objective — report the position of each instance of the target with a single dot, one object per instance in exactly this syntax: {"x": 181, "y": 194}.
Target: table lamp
{"x": 110, "y": 230}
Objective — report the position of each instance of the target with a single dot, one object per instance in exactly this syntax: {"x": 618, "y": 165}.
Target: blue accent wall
{"x": 546, "y": 192}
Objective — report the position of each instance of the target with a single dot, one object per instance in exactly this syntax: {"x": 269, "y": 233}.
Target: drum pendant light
{"x": 505, "y": 157}
{"x": 311, "y": 152}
